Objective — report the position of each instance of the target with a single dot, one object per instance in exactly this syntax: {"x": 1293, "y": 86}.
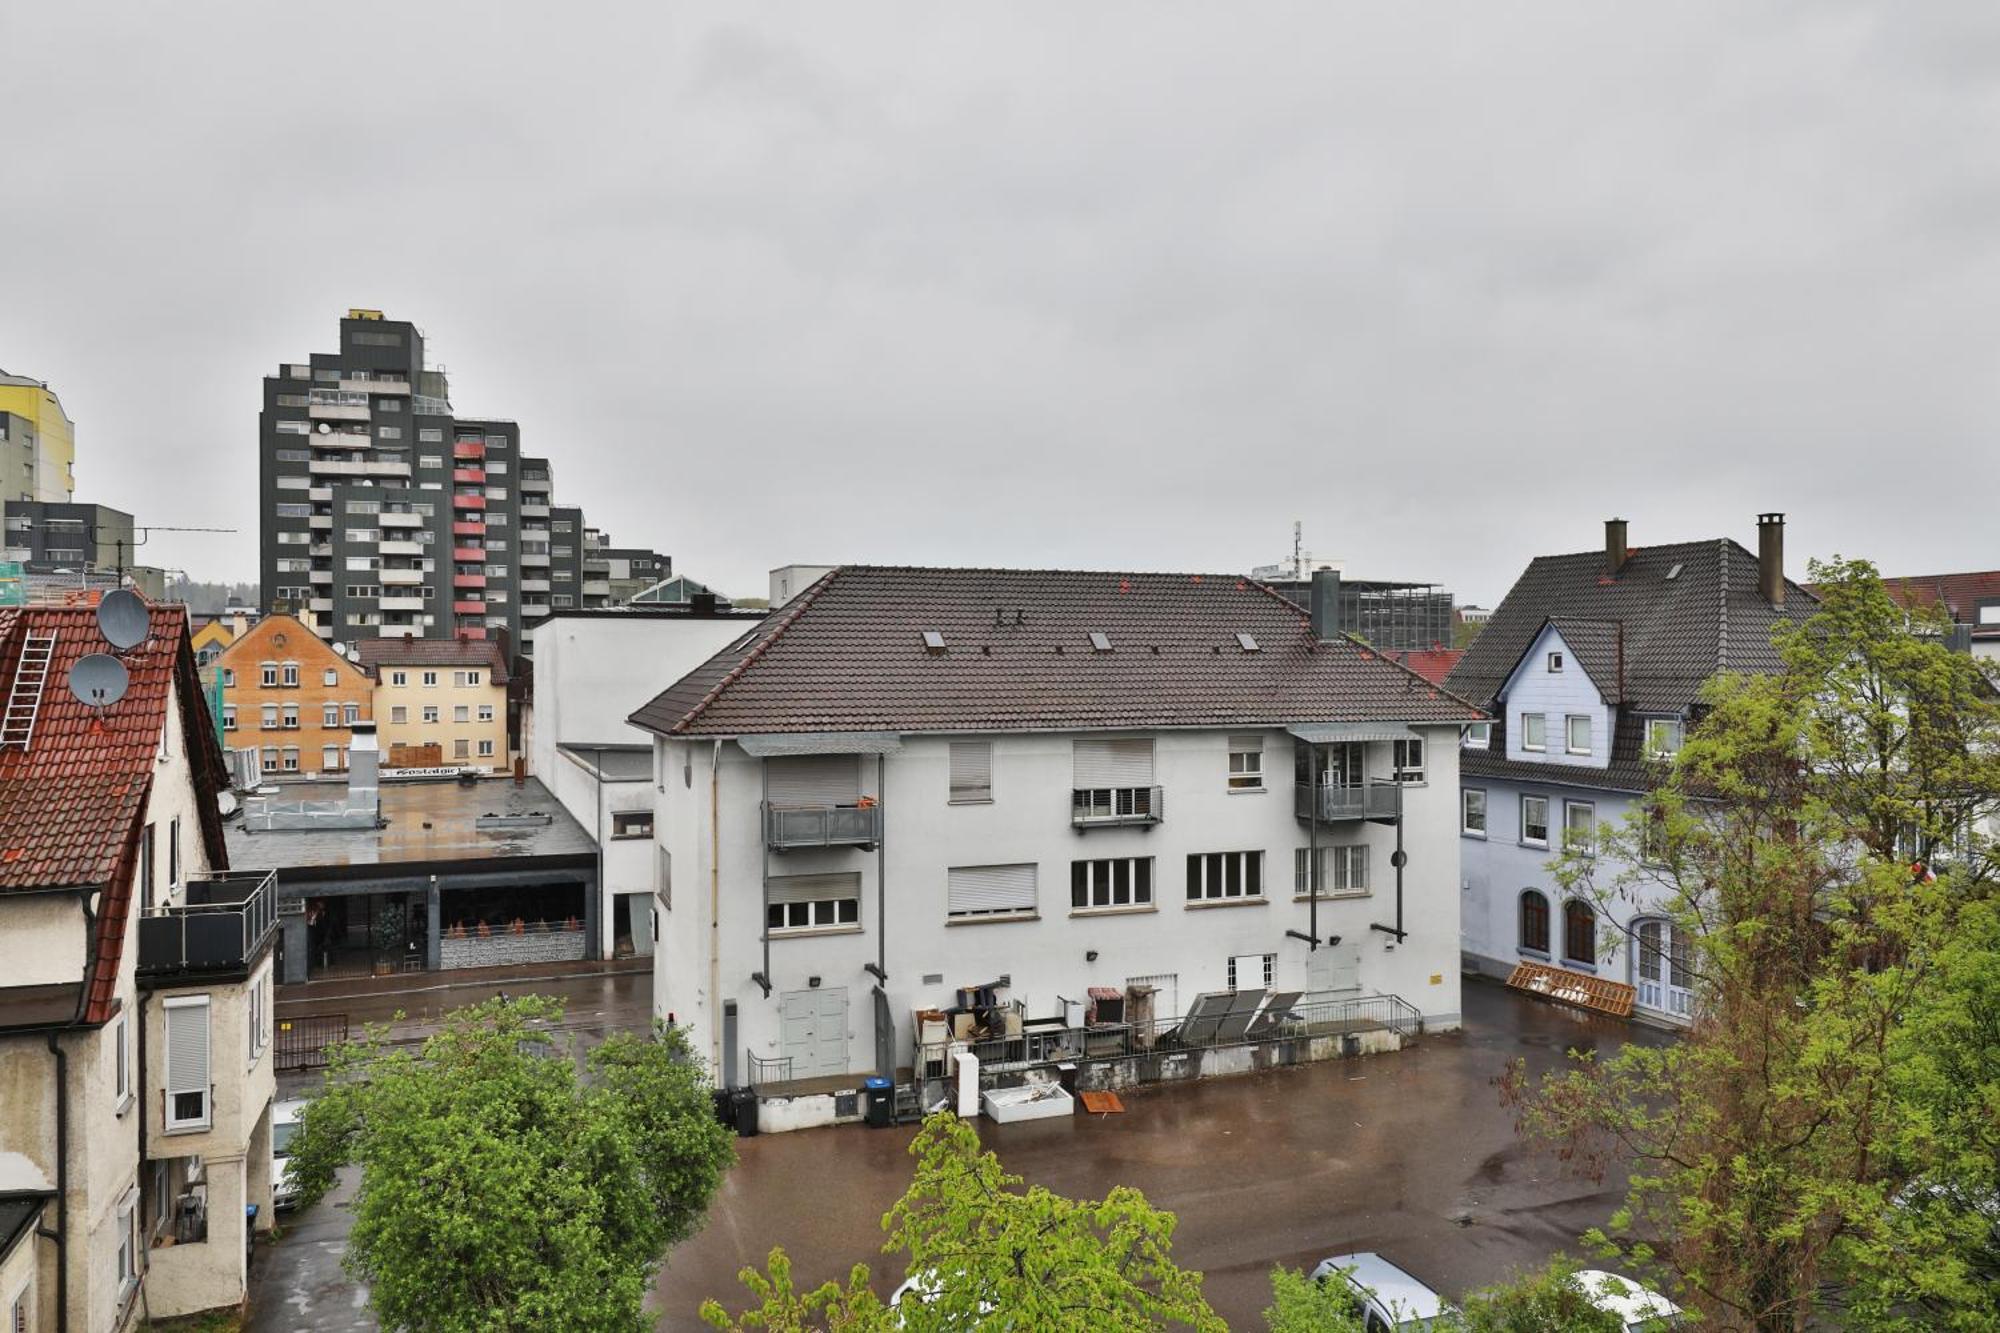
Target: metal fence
{"x": 768, "y": 1070}
{"x": 301, "y": 1042}
{"x": 821, "y": 825}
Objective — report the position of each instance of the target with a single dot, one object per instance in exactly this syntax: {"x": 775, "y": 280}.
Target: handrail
{"x": 1093, "y": 807}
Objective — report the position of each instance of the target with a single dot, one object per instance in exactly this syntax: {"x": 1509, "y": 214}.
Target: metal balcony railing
{"x": 789, "y": 826}
{"x": 225, "y": 920}
{"x": 1374, "y": 800}
{"x": 1096, "y": 807}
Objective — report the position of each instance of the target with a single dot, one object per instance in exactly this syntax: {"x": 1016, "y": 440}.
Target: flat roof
{"x": 429, "y": 823}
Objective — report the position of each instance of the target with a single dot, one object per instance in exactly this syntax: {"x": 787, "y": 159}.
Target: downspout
{"x": 62, "y": 1183}
{"x": 715, "y": 904}
{"x": 609, "y": 924}
{"x": 1312, "y": 853}
{"x": 882, "y": 872}
{"x": 763, "y": 976}
{"x": 1398, "y": 860}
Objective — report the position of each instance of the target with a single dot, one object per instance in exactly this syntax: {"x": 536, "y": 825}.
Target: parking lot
{"x": 1409, "y": 1154}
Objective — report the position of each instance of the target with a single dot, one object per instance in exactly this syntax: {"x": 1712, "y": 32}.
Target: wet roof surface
{"x": 450, "y": 809}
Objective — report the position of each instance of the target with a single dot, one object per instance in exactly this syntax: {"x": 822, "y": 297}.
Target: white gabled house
{"x": 1057, "y": 791}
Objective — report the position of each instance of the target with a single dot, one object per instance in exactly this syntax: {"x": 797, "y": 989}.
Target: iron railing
{"x": 1374, "y": 800}
{"x": 766, "y": 1070}
{"x": 1099, "y": 807}
{"x": 225, "y": 919}
{"x": 301, "y": 1043}
{"x": 788, "y": 826}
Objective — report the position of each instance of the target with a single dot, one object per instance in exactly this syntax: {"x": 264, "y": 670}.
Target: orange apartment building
{"x": 290, "y": 697}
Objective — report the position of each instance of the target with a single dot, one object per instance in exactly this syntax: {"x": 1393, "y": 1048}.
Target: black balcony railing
{"x": 1375, "y": 800}
{"x": 790, "y": 826}
{"x": 223, "y": 923}
{"x": 1098, "y": 807}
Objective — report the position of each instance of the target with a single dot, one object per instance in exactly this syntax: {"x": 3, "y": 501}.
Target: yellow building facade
{"x": 38, "y": 448}
{"x": 439, "y": 702}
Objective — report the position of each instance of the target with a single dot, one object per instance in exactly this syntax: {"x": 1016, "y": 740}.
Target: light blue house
{"x": 1592, "y": 668}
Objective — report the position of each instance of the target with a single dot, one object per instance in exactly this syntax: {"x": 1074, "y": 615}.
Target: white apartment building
{"x": 136, "y": 1073}
{"x": 912, "y": 781}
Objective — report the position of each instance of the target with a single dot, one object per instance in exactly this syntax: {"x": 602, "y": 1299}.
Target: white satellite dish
{"x": 325, "y": 429}
{"x": 339, "y": 648}
{"x": 98, "y": 680}
{"x": 225, "y": 801}
{"x": 122, "y": 618}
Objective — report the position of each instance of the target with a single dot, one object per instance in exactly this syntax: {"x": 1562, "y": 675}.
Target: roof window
{"x": 1673, "y": 573}
{"x": 1247, "y": 643}
{"x": 933, "y": 642}
{"x": 1099, "y": 643}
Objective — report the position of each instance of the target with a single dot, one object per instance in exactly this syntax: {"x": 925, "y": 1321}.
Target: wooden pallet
{"x": 1101, "y": 1103}
{"x": 1555, "y": 983}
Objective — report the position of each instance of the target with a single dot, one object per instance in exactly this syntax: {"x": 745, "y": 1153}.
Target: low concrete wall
{"x": 778, "y": 1115}
{"x": 209, "y": 1274}
{"x": 504, "y": 948}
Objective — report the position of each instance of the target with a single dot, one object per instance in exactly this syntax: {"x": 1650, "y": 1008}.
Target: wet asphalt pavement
{"x": 1410, "y": 1154}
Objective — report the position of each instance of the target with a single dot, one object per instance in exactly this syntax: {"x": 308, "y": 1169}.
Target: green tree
{"x": 982, "y": 1243}
{"x": 1550, "y": 1300}
{"x": 1773, "y": 1150}
{"x": 503, "y": 1189}
{"x": 1301, "y": 1305}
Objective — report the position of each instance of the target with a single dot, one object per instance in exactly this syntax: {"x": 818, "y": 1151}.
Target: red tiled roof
{"x": 377, "y": 653}
{"x": 1433, "y": 664}
{"x": 1960, "y": 594}
{"x": 70, "y": 803}
{"x": 849, "y": 655}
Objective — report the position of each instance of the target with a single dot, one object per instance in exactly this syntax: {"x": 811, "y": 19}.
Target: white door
{"x": 815, "y": 1031}
{"x": 1664, "y": 980}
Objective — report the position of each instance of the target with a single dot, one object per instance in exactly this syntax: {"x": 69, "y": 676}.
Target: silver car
{"x": 285, "y": 1120}
{"x": 1388, "y": 1299}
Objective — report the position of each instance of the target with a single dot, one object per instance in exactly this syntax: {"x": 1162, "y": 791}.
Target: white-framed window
{"x": 257, "y": 1019}
{"x": 1535, "y": 820}
{"x": 291, "y": 717}
{"x": 229, "y": 717}
{"x": 1534, "y": 732}
{"x": 121, "y": 1062}
{"x": 632, "y": 823}
{"x": 269, "y": 759}
{"x": 1246, "y": 762}
{"x": 461, "y": 712}
{"x": 795, "y": 904}
{"x": 1408, "y": 757}
{"x": 1663, "y": 737}
{"x": 187, "y": 1078}
{"x": 399, "y": 678}
{"x": 21, "y": 1317}
{"x": 1124, "y": 881}
{"x": 1252, "y": 971}
{"x": 972, "y": 892}
{"x": 1579, "y": 825}
{"x": 350, "y": 714}
{"x": 1478, "y": 736}
{"x": 269, "y": 672}
{"x": 486, "y": 749}
{"x": 1576, "y": 737}
{"x": 329, "y": 715}
{"x": 971, "y": 780}
{"x": 128, "y": 1244}
{"x": 430, "y": 678}
{"x": 462, "y": 679}
{"x": 1555, "y": 662}
{"x": 1472, "y": 812}
{"x": 430, "y": 712}
{"x": 461, "y": 749}
{"x": 1343, "y": 871}
{"x": 1225, "y": 876}
{"x": 291, "y": 759}
{"x": 486, "y": 712}
{"x": 146, "y": 867}
{"x": 269, "y": 717}
{"x": 291, "y": 674}
{"x": 399, "y": 714}
{"x": 329, "y": 677}
{"x": 228, "y": 677}
{"x": 174, "y": 853}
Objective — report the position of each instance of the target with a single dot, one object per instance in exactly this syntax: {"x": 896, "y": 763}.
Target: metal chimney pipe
{"x": 1771, "y": 557}
{"x": 1615, "y": 549}
{"x": 1326, "y": 604}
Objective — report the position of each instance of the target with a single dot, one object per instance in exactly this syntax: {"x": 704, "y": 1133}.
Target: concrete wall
{"x": 1047, "y": 955}
{"x": 1556, "y": 695}
{"x": 504, "y": 949}
{"x": 46, "y": 935}
{"x": 21, "y": 1283}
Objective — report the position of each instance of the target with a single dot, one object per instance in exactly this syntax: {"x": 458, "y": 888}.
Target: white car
{"x": 285, "y": 1118}
{"x": 1642, "y": 1309}
{"x": 1387, "y": 1299}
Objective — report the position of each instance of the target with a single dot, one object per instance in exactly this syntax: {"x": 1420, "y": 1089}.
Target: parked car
{"x": 285, "y": 1120}
{"x": 1388, "y": 1299}
{"x": 1643, "y": 1309}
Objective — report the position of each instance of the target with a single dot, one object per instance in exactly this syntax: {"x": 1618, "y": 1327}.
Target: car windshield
{"x": 281, "y": 1138}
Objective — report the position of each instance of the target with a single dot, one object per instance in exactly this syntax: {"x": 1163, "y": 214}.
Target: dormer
{"x": 1561, "y": 699}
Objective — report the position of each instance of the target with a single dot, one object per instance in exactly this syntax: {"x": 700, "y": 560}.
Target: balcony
{"x": 333, "y": 405}
{"x": 368, "y": 386}
{"x": 389, "y": 519}
{"x": 399, "y": 578}
{"x": 469, "y": 608}
{"x": 468, "y": 449}
{"x": 321, "y": 576}
{"x": 322, "y": 495}
{"x": 534, "y": 585}
{"x": 320, "y": 550}
{"x": 392, "y": 547}
{"x": 1378, "y": 801}
{"x": 474, "y": 554}
{"x": 385, "y": 468}
{"x": 539, "y": 558}
{"x": 319, "y": 604}
{"x": 530, "y": 610}
{"x": 224, "y": 923}
{"x": 320, "y": 522}
{"x": 389, "y": 603}
{"x": 596, "y": 588}
{"x": 342, "y": 439}
{"x": 536, "y": 481}
{"x": 468, "y": 502}
{"x": 468, "y": 580}
{"x": 469, "y": 476}
{"x": 1112, "y": 807}
{"x": 793, "y": 826}
{"x": 530, "y": 509}
{"x": 335, "y": 467}
{"x": 469, "y": 527}
{"x": 472, "y": 631}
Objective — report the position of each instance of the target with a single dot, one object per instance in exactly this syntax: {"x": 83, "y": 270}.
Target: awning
{"x": 820, "y": 742}
{"x": 1333, "y": 733}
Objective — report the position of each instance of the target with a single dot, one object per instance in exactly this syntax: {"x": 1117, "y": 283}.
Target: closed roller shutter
{"x": 982, "y": 890}
{"x": 817, "y": 779}
{"x": 813, "y": 888}
{"x": 187, "y": 1061}
{"x": 1124, "y": 763}
{"x": 971, "y": 770}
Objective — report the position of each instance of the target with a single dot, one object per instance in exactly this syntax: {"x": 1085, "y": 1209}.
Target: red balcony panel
{"x": 472, "y": 554}
{"x": 469, "y": 476}
{"x": 469, "y": 608}
{"x": 468, "y": 502}
{"x": 468, "y": 580}
{"x": 469, "y": 449}
{"x": 471, "y": 631}
{"x": 470, "y": 527}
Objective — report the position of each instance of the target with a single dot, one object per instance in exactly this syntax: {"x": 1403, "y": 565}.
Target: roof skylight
{"x": 1247, "y": 643}
{"x": 1099, "y": 643}
{"x": 933, "y": 641}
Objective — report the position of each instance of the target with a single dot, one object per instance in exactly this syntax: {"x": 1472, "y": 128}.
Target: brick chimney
{"x": 1771, "y": 557}
{"x": 1615, "y": 549}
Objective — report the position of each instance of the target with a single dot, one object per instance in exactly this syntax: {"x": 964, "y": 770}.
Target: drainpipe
{"x": 609, "y": 923}
{"x": 763, "y": 978}
{"x": 885, "y": 1043}
{"x": 715, "y": 902}
{"x": 62, "y": 1183}
{"x": 1398, "y": 860}
{"x": 1312, "y": 852}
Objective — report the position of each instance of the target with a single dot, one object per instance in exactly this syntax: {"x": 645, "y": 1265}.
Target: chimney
{"x": 1325, "y": 604}
{"x": 364, "y": 769}
{"x": 1771, "y": 557}
{"x": 1615, "y": 549}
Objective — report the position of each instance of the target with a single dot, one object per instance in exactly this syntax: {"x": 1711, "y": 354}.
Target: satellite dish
{"x": 122, "y": 618}
{"x": 98, "y": 680}
{"x": 339, "y": 648}
{"x": 225, "y": 801}
{"x": 325, "y": 429}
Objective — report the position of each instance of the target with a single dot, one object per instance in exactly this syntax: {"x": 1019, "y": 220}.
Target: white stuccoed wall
{"x": 1556, "y": 695}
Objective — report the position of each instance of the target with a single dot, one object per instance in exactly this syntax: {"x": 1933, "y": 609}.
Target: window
{"x": 187, "y": 1082}
{"x": 1246, "y": 762}
{"x": 971, "y": 772}
{"x": 329, "y": 715}
{"x": 1343, "y": 871}
{"x": 329, "y": 759}
{"x": 1577, "y": 739}
{"x": 362, "y": 507}
{"x": 461, "y": 713}
{"x": 1125, "y": 881}
{"x": 174, "y": 853}
{"x": 270, "y": 675}
{"x": 269, "y": 761}
{"x": 1555, "y": 662}
{"x": 1663, "y": 737}
{"x": 461, "y": 749}
{"x": 291, "y": 674}
{"x": 121, "y": 1058}
{"x": 294, "y": 483}
{"x": 1409, "y": 760}
{"x": 128, "y": 1245}
{"x": 329, "y": 677}
{"x": 989, "y": 891}
{"x": 1534, "y": 729}
{"x": 1225, "y": 876}
{"x": 464, "y": 678}
{"x": 291, "y": 717}
{"x": 1654, "y": 847}
{"x": 1579, "y": 825}
{"x": 399, "y": 678}
{"x": 399, "y": 714}
{"x": 795, "y": 903}
{"x": 1251, "y": 971}
{"x": 486, "y": 749}
{"x": 430, "y": 678}
{"x": 1535, "y": 921}
{"x": 350, "y": 714}
{"x": 229, "y": 717}
{"x": 228, "y": 677}
{"x": 256, "y": 1019}
{"x": 1579, "y": 933}
{"x": 1478, "y": 736}
{"x": 269, "y": 717}
{"x": 1472, "y": 812}
{"x": 1535, "y": 820}
{"x": 291, "y": 759}
{"x": 486, "y": 712}
{"x": 632, "y": 824}
{"x": 430, "y": 712}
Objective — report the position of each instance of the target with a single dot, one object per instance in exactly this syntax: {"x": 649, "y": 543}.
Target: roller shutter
{"x": 817, "y": 779}
{"x": 985, "y": 890}
{"x": 1119, "y": 763}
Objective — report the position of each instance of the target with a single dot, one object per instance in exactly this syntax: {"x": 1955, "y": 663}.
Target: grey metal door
{"x": 815, "y": 1031}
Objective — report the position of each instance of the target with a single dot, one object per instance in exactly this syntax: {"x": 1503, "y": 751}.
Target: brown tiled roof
{"x": 375, "y": 654}
{"x": 1675, "y": 632}
{"x": 849, "y": 655}
{"x": 70, "y": 803}
{"x": 1960, "y": 594}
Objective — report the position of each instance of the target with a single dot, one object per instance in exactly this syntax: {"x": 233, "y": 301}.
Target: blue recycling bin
{"x": 881, "y": 1093}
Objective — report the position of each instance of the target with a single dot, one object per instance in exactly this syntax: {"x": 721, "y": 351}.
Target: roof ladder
{"x": 24, "y": 701}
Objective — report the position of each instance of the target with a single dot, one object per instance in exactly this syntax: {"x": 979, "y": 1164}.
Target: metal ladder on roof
{"x": 24, "y": 701}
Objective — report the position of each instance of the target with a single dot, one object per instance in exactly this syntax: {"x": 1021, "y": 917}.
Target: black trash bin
{"x": 745, "y": 1100}
{"x": 881, "y": 1101}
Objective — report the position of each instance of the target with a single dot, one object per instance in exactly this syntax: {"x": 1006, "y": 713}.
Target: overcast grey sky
{"x": 1102, "y": 285}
